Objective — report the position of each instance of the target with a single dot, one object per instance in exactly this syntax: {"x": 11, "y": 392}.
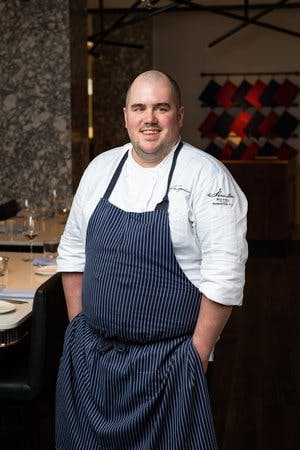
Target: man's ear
{"x": 180, "y": 115}
{"x": 125, "y": 116}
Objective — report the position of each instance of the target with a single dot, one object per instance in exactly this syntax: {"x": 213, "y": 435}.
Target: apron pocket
{"x": 194, "y": 362}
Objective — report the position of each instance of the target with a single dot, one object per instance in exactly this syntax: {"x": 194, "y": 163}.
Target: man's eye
{"x": 138, "y": 108}
{"x": 162, "y": 109}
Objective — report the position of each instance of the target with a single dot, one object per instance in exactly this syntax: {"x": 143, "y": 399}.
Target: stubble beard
{"x": 158, "y": 154}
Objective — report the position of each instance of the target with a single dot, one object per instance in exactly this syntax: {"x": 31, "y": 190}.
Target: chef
{"x": 152, "y": 260}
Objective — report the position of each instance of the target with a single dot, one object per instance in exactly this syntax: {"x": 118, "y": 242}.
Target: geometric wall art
{"x": 249, "y": 120}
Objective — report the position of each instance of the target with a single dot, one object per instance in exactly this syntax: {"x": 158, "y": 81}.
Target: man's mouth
{"x": 150, "y": 131}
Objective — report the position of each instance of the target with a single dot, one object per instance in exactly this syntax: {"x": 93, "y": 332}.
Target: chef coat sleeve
{"x": 220, "y": 208}
{"x": 71, "y": 249}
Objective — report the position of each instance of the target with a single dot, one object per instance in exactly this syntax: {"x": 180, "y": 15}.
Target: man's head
{"x": 153, "y": 116}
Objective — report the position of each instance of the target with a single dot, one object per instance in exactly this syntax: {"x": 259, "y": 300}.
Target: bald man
{"x": 152, "y": 260}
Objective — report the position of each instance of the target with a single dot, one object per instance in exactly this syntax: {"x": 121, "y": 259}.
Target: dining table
{"x": 12, "y": 236}
{"x": 17, "y": 289}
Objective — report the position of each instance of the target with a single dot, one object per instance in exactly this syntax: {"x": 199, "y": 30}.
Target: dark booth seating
{"x": 9, "y": 209}
{"x": 29, "y": 368}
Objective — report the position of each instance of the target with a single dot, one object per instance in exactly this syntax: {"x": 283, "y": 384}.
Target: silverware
{"x": 13, "y": 300}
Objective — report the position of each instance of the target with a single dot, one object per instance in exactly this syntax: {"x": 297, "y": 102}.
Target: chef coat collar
{"x": 131, "y": 165}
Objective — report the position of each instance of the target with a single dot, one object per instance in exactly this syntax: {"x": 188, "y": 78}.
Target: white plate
{"x": 45, "y": 270}
{"x": 6, "y": 307}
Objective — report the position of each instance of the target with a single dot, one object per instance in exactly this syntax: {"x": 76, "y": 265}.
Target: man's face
{"x": 153, "y": 120}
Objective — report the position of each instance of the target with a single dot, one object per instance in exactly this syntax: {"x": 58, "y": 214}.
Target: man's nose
{"x": 150, "y": 116}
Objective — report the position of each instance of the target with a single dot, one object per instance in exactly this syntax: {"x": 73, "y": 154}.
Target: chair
{"x": 9, "y": 209}
{"x": 28, "y": 369}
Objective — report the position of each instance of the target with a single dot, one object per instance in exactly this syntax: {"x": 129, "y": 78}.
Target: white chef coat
{"x": 207, "y": 215}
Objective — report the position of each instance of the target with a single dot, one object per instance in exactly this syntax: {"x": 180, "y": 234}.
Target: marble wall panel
{"x": 35, "y": 115}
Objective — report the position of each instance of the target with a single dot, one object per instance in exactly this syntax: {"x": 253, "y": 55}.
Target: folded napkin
{"x": 6, "y": 293}
{"x": 43, "y": 261}
{"x": 19, "y": 229}
{"x": 12, "y": 228}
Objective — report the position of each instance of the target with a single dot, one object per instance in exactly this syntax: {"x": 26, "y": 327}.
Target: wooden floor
{"x": 255, "y": 384}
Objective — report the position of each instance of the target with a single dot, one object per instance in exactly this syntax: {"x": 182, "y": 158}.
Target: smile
{"x": 150, "y": 131}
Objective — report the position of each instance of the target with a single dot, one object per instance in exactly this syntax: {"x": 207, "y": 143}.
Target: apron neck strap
{"x": 115, "y": 176}
{"x": 164, "y": 204}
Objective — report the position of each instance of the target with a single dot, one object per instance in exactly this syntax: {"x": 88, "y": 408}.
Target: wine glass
{"x": 31, "y": 230}
{"x": 63, "y": 212}
{"x": 24, "y": 207}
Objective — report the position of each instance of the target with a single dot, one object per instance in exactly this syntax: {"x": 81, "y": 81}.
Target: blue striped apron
{"x": 130, "y": 378}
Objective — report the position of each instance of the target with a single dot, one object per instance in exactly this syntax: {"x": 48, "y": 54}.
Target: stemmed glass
{"x": 31, "y": 230}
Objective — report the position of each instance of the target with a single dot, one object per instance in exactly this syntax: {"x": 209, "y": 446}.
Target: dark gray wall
{"x": 113, "y": 71}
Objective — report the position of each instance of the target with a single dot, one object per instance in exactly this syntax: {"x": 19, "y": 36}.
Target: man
{"x": 153, "y": 258}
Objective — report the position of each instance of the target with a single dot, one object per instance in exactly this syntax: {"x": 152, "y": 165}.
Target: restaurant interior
{"x": 65, "y": 68}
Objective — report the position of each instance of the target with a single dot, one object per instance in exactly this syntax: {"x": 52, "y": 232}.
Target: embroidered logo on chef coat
{"x": 221, "y": 199}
